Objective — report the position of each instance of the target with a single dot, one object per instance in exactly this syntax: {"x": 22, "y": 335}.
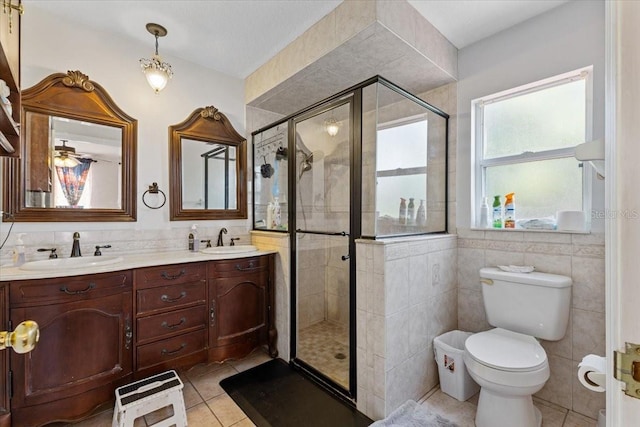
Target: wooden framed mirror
{"x": 208, "y": 170}
{"x": 78, "y": 155}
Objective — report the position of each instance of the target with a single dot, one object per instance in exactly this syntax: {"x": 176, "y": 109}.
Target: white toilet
{"x": 508, "y": 362}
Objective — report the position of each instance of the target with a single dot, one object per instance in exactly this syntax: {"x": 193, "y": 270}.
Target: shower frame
{"x": 349, "y": 394}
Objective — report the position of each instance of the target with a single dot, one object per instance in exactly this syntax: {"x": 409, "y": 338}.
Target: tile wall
{"x": 406, "y": 296}
{"x": 580, "y": 256}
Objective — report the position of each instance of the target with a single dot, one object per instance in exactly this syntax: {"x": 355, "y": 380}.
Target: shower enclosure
{"x": 333, "y": 173}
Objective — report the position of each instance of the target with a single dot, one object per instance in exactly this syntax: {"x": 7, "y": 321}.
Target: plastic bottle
{"x": 497, "y": 212}
{"x": 411, "y": 212}
{"x": 194, "y": 242}
{"x": 277, "y": 213}
{"x": 18, "y": 252}
{"x": 484, "y": 213}
{"x": 509, "y": 211}
{"x": 403, "y": 211}
{"x": 421, "y": 216}
{"x": 270, "y": 215}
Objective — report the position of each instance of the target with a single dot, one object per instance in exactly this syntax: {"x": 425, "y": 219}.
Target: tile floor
{"x": 318, "y": 346}
{"x": 209, "y": 406}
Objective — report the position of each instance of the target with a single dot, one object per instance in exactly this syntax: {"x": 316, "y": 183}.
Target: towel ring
{"x": 153, "y": 189}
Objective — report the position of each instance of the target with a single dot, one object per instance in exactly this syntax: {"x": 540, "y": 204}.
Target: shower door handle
{"x": 345, "y": 257}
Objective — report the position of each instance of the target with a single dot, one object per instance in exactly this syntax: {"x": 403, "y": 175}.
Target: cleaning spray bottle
{"x": 411, "y": 212}
{"x": 18, "y": 252}
{"x": 421, "y": 216}
{"x": 402, "y": 218}
{"x": 509, "y": 211}
{"x": 497, "y": 212}
{"x": 484, "y": 213}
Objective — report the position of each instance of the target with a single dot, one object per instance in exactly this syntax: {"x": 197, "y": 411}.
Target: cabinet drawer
{"x": 165, "y": 324}
{"x": 172, "y": 348}
{"x": 64, "y": 289}
{"x": 169, "y": 275}
{"x": 170, "y": 297}
{"x": 239, "y": 266}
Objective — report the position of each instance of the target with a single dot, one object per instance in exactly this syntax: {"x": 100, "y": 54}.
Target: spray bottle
{"x": 509, "y": 211}
{"x": 497, "y": 212}
{"x": 484, "y": 213}
{"x": 421, "y": 217}
{"x": 403, "y": 211}
{"x": 411, "y": 212}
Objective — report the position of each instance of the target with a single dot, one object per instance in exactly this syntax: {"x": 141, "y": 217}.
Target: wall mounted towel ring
{"x": 153, "y": 189}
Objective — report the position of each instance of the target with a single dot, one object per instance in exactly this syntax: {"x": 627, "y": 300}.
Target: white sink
{"x": 76, "y": 262}
{"x": 221, "y": 250}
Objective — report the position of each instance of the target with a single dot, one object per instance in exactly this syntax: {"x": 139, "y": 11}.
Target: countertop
{"x": 129, "y": 261}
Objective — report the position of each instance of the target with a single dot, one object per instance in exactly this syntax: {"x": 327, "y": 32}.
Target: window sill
{"x": 529, "y": 230}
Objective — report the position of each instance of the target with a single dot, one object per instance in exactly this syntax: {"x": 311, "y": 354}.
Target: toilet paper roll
{"x": 592, "y": 372}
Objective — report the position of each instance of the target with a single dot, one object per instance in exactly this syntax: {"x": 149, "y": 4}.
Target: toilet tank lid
{"x": 534, "y": 278}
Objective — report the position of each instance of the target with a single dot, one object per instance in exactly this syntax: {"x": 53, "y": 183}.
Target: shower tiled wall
{"x": 580, "y": 256}
{"x": 406, "y": 296}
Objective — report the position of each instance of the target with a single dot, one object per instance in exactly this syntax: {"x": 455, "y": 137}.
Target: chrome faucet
{"x": 222, "y": 231}
{"x": 75, "y": 249}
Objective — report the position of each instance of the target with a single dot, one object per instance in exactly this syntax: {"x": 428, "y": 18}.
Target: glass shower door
{"x": 323, "y": 242}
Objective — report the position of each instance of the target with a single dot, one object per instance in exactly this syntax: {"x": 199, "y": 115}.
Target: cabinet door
{"x": 84, "y": 353}
{"x": 238, "y": 313}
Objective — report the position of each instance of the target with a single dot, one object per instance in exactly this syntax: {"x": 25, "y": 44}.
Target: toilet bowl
{"x": 509, "y": 367}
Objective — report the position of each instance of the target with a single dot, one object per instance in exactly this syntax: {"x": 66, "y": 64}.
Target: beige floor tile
{"x": 159, "y": 415}
{"x": 191, "y": 396}
{"x": 207, "y": 385}
{"x": 201, "y": 416}
{"x": 245, "y": 422}
{"x": 226, "y": 410}
{"x": 258, "y": 357}
{"x": 201, "y": 369}
{"x": 552, "y": 417}
{"x": 577, "y": 420}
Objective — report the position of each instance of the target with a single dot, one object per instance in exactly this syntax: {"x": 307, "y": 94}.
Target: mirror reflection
{"x": 208, "y": 175}
{"x": 72, "y": 164}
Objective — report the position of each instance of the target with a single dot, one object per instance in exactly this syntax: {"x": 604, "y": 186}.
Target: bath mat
{"x": 276, "y": 395}
{"x": 410, "y": 414}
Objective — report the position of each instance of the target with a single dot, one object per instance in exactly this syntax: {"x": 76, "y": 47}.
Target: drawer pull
{"x": 168, "y": 276}
{"x": 81, "y": 291}
{"x": 167, "y": 326}
{"x": 252, "y": 266}
{"x": 166, "y": 298}
{"x": 166, "y": 352}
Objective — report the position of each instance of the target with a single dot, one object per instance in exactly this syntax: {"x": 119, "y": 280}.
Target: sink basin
{"x": 221, "y": 250}
{"x": 65, "y": 263}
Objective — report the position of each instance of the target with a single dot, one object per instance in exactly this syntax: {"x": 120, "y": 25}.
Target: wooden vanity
{"x": 100, "y": 331}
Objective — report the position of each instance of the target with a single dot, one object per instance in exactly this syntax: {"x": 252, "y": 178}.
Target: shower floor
{"x": 318, "y": 346}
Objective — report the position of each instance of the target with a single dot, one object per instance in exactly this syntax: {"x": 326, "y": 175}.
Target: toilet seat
{"x": 506, "y": 351}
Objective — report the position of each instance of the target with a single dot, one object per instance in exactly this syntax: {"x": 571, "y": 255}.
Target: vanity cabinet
{"x": 10, "y": 73}
{"x": 171, "y": 318}
{"x": 241, "y": 306}
{"x": 85, "y": 349}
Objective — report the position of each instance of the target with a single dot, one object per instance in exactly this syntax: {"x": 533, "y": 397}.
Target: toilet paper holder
{"x": 626, "y": 368}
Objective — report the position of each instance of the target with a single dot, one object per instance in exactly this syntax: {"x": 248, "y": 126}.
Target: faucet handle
{"x": 207, "y": 241}
{"x": 52, "y": 255}
{"x": 97, "y": 252}
{"x": 233, "y": 241}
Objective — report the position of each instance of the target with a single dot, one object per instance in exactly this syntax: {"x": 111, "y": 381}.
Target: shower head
{"x": 306, "y": 164}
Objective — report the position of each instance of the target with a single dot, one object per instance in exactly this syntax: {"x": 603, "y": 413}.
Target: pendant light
{"x": 157, "y": 72}
{"x": 63, "y": 158}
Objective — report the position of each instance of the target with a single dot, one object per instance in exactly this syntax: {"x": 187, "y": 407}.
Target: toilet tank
{"x": 535, "y": 303}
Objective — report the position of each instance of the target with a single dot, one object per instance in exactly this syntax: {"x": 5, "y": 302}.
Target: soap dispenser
{"x": 18, "y": 252}
{"x": 194, "y": 242}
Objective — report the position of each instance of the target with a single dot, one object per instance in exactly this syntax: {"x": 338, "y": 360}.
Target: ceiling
{"x": 237, "y": 36}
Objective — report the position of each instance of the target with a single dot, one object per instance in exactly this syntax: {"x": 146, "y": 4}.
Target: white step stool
{"x": 147, "y": 395}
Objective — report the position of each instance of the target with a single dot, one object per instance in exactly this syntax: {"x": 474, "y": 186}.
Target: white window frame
{"x": 479, "y": 163}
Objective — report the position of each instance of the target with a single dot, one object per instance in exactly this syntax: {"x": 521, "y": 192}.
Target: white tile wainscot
{"x": 406, "y": 295}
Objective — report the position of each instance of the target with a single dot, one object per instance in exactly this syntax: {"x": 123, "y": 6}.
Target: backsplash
{"x": 580, "y": 256}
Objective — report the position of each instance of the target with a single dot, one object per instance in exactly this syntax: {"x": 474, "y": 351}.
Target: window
{"x": 524, "y": 144}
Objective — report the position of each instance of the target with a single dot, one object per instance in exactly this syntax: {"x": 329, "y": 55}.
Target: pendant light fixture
{"x": 331, "y": 126}
{"x": 64, "y": 156}
{"x": 157, "y": 72}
